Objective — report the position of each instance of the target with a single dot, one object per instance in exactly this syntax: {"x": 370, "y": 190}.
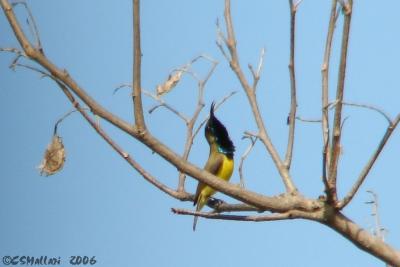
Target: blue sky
{"x": 99, "y": 206}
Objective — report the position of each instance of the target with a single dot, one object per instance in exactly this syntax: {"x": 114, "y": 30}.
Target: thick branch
{"x": 326, "y": 152}
{"x": 335, "y": 154}
{"x": 128, "y": 158}
{"x": 363, "y": 239}
{"x": 147, "y": 176}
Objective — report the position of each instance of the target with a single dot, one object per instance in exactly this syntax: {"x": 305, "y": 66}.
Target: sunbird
{"x": 220, "y": 160}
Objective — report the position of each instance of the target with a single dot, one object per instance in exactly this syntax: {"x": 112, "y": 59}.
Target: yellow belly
{"x": 225, "y": 173}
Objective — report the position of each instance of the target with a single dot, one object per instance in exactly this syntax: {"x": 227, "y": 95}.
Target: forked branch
{"x": 230, "y": 42}
{"x": 337, "y": 121}
{"x": 326, "y": 151}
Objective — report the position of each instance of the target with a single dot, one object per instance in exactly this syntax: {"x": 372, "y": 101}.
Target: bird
{"x": 220, "y": 160}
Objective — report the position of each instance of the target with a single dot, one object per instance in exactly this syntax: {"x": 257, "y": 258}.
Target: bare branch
{"x": 379, "y": 230}
{"x": 246, "y": 196}
{"x": 18, "y": 54}
{"x": 253, "y": 141}
{"x": 32, "y": 24}
{"x": 103, "y": 134}
{"x": 335, "y": 154}
{"x": 63, "y": 118}
{"x": 293, "y": 99}
{"x": 128, "y": 85}
{"x": 257, "y": 73}
{"x": 162, "y": 103}
{"x": 147, "y": 176}
{"x": 362, "y": 238}
{"x": 137, "y": 65}
{"x": 190, "y": 125}
{"x": 308, "y": 120}
{"x": 326, "y": 152}
{"x": 230, "y": 43}
{"x": 291, "y": 202}
{"x": 380, "y": 111}
{"x": 248, "y": 218}
{"x": 346, "y": 200}
{"x": 221, "y": 40}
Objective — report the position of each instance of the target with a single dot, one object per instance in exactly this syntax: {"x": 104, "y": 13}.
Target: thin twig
{"x": 162, "y": 103}
{"x": 380, "y": 111}
{"x": 379, "y": 230}
{"x": 257, "y": 73}
{"x": 335, "y": 153}
{"x": 293, "y": 99}
{"x": 190, "y": 125}
{"x": 18, "y": 54}
{"x": 217, "y": 106}
{"x": 346, "y": 200}
{"x": 253, "y": 141}
{"x": 128, "y": 85}
{"x": 221, "y": 40}
{"x": 308, "y": 120}
{"x": 64, "y": 117}
{"x": 32, "y": 24}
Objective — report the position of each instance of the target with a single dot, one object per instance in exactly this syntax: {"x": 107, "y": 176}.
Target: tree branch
{"x": 293, "y": 100}
{"x": 346, "y": 200}
{"x": 362, "y": 238}
{"x": 326, "y": 151}
{"x": 230, "y": 42}
{"x": 192, "y": 121}
{"x": 253, "y": 141}
{"x": 137, "y": 65}
{"x": 288, "y": 205}
{"x": 247, "y": 218}
{"x": 380, "y": 111}
{"x": 128, "y": 158}
{"x": 246, "y": 196}
{"x": 151, "y": 179}
{"x": 335, "y": 153}
{"x": 162, "y": 103}
{"x": 257, "y": 73}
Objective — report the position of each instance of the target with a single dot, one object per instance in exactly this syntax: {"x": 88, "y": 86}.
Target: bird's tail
{"x": 195, "y": 222}
{"x": 200, "y": 204}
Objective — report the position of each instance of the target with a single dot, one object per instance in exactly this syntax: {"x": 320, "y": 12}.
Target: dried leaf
{"x": 170, "y": 83}
{"x": 54, "y": 157}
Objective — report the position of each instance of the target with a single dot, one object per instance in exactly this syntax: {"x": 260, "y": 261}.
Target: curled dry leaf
{"x": 170, "y": 83}
{"x": 54, "y": 157}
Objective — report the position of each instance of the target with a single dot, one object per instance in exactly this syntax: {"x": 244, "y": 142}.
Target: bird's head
{"x": 216, "y": 133}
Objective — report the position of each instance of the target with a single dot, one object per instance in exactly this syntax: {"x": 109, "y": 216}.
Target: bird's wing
{"x": 214, "y": 163}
